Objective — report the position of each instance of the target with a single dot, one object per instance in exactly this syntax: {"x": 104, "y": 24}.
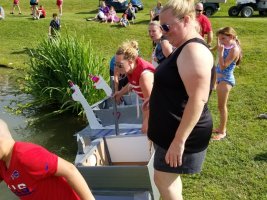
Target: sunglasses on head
{"x": 166, "y": 27}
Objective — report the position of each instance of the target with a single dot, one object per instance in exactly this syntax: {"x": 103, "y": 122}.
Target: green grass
{"x": 235, "y": 168}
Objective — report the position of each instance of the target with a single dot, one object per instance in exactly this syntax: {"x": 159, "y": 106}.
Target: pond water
{"x": 54, "y": 133}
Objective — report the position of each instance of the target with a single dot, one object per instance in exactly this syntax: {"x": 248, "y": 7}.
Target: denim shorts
{"x": 191, "y": 162}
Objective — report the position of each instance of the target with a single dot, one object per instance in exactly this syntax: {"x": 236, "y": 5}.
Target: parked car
{"x": 137, "y": 4}
{"x": 121, "y": 6}
{"x": 247, "y": 7}
{"x": 211, "y": 6}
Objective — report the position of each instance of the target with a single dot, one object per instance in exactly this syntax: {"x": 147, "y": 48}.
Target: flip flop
{"x": 219, "y": 136}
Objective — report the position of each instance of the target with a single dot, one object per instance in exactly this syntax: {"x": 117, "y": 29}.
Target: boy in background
{"x": 54, "y": 26}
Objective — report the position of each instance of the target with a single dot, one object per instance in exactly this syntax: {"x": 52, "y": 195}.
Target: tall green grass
{"x": 58, "y": 60}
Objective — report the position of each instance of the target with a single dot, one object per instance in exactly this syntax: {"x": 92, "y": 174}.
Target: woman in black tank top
{"x": 180, "y": 124}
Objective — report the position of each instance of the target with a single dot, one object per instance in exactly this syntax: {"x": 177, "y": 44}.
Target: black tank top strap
{"x": 197, "y": 40}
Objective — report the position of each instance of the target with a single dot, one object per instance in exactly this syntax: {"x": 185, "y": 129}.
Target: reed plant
{"x": 54, "y": 63}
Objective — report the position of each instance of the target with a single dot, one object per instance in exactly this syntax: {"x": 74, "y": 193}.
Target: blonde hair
{"x": 129, "y": 49}
{"x": 181, "y": 8}
{"x": 154, "y": 23}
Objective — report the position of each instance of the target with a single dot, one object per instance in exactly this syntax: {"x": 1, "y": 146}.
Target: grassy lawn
{"x": 235, "y": 168}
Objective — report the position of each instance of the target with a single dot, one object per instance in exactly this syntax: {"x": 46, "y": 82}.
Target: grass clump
{"x": 55, "y": 62}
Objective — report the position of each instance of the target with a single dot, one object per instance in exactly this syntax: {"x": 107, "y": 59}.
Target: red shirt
{"x": 141, "y": 66}
{"x": 31, "y": 174}
{"x": 43, "y": 11}
{"x": 205, "y": 24}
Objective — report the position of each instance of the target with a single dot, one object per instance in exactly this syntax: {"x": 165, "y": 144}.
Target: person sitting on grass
{"x": 102, "y": 13}
{"x": 130, "y": 12}
{"x": 40, "y": 13}
{"x": 112, "y": 16}
{"x": 32, "y": 172}
{"x": 124, "y": 21}
{"x": 54, "y": 26}
{"x": 154, "y": 14}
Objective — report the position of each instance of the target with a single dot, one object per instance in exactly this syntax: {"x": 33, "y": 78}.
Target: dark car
{"x": 210, "y": 8}
{"x": 137, "y": 4}
{"x": 122, "y": 6}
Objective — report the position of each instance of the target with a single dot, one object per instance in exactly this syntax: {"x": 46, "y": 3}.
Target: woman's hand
{"x": 118, "y": 97}
{"x": 175, "y": 153}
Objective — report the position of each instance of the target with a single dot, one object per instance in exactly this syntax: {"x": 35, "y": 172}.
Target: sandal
{"x": 219, "y": 136}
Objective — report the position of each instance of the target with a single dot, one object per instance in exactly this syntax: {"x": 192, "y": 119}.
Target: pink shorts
{"x": 59, "y": 2}
{"x": 16, "y": 2}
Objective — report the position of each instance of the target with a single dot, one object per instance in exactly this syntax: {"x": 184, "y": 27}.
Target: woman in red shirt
{"x": 140, "y": 74}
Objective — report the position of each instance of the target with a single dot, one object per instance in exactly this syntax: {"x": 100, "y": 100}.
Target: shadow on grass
{"x": 118, "y": 26}
{"x": 5, "y": 66}
{"x": 89, "y": 12}
{"x": 24, "y": 51}
{"x": 261, "y": 157}
{"x": 142, "y": 22}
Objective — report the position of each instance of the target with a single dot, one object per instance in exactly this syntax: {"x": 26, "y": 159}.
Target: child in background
{"x": 34, "y": 4}
{"x": 154, "y": 14}
{"x": 112, "y": 16}
{"x": 54, "y": 26}
{"x": 59, "y": 5}
{"x": 15, "y": 4}
{"x": 229, "y": 55}
{"x": 102, "y": 13}
{"x": 32, "y": 172}
{"x": 41, "y": 13}
{"x": 130, "y": 12}
{"x": 124, "y": 21}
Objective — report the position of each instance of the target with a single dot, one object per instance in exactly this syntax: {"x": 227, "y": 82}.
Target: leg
{"x": 60, "y": 9}
{"x": 223, "y": 90}
{"x": 35, "y": 11}
{"x": 169, "y": 185}
{"x": 12, "y": 10}
{"x": 19, "y": 8}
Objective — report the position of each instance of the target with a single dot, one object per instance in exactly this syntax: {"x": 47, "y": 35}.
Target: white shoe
{"x": 262, "y": 116}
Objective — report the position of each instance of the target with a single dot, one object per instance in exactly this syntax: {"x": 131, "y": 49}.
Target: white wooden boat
{"x": 128, "y": 112}
{"x": 116, "y": 160}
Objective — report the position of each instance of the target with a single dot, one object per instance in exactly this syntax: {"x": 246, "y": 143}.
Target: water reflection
{"x": 54, "y": 133}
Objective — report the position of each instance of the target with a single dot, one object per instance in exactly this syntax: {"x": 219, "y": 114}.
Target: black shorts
{"x": 33, "y": 4}
{"x": 192, "y": 162}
